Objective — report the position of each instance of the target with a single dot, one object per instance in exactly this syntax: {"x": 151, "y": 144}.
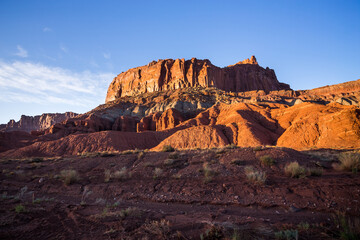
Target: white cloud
{"x": 29, "y": 82}
{"x": 47, "y": 29}
{"x": 21, "y": 52}
{"x": 107, "y": 55}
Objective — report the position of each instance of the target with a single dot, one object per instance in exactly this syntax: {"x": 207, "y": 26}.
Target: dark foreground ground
{"x": 197, "y": 194}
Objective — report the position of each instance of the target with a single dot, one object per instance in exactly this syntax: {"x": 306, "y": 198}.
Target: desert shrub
{"x": 209, "y": 173}
{"x": 213, "y": 233}
{"x": 348, "y": 229}
{"x": 315, "y": 171}
{"x": 349, "y": 161}
{"x": 158, "y": 172}
{"x": 267, "y": 160}
{"x": 168, "y": 148}
{"x": 231, "y": 146}
{"x": 19, "y": 208}
{"x": 86, "y": 193}
{"x": 158, "y": 228}
{"x": 121, "y": 174}
{"x": 254, "y": 176}
{"x": 303, "y": 226}
{"x": 69, "y": 176}
{"x": 130, "y": 212}
{"x": 169, "y": 162}
{"x": 287, "y": 234}
{"x": 107, "y": 176}
{"x": 294, "y": 170}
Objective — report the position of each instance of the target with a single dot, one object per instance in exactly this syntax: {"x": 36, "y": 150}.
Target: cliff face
{"x": 39, "y": 122}
{"x": 172, "y": 74}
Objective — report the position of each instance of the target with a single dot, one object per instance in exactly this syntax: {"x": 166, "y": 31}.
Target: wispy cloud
{"x": 106, "y": 55}
{"x": 36, "y": 83}
{"x": 47, "y": 29}
{"x": 63, "y": 48}
{"x": 21, "y": 52}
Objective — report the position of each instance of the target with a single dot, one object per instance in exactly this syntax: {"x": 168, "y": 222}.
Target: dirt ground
{"x": 193, "y": 194}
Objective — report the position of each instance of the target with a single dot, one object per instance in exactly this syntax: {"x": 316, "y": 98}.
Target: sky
{"x": 58, "y": 56}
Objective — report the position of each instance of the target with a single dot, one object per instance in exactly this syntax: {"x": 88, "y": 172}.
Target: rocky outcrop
{"x": 36, "y": 123}
{"x": 160, "y": 121}
{"x": 172, "y": 74}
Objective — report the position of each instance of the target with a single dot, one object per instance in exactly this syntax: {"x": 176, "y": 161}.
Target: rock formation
{"x": 172, "y": 74}
{"x": 193, "y": 104}
{"x": 36, "y": 123}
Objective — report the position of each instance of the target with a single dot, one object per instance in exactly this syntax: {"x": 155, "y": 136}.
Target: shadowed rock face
{"x": 172, "y": 74}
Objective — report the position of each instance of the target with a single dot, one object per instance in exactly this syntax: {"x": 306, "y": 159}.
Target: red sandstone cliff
{"x": 39, "y": 122}
{"x": 172, "y": 74}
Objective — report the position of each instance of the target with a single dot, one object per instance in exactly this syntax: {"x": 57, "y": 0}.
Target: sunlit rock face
{"x": 172, "y": 74}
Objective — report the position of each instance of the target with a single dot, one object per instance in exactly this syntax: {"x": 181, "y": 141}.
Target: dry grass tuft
{"x": 294, "y": 170}
{"x": 121, "y": 175}
{"x": 267, "y": 160}
{"x": 254, "y": 176}
{"x": 69, "y": 176}
{"x": 349, "y": 162}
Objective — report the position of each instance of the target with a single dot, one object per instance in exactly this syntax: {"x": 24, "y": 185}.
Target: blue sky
{"x": 58, "y": 56}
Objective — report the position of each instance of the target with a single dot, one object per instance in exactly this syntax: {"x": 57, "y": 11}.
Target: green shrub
{"x": 348, "y": 229}
{"x": 19, "y": 208}
{"x": 287, "y": 234}
{"x": 267, "y": 160}
{"x": 294, "y": 170}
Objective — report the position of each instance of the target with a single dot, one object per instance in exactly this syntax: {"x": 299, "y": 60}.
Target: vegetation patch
{"x": 19, "y": 208}
{"x": 168, "y": 148}
{"x": 69, "y": 176}
{"x": 121, "y": 174}
{"x": 315, "y": 172}
{"x": 288, "y": 234}
{"x": 349, "y": 162}
{"x": 267, "y": 160}
{"x": 209, "y": 173}
{"x": 294, "y": 170}
{"x": 158, "y": 172}
{"x": 257, "y": 177}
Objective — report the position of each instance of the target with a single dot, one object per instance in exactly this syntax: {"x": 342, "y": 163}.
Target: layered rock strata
{"x": 172, "y": 74}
